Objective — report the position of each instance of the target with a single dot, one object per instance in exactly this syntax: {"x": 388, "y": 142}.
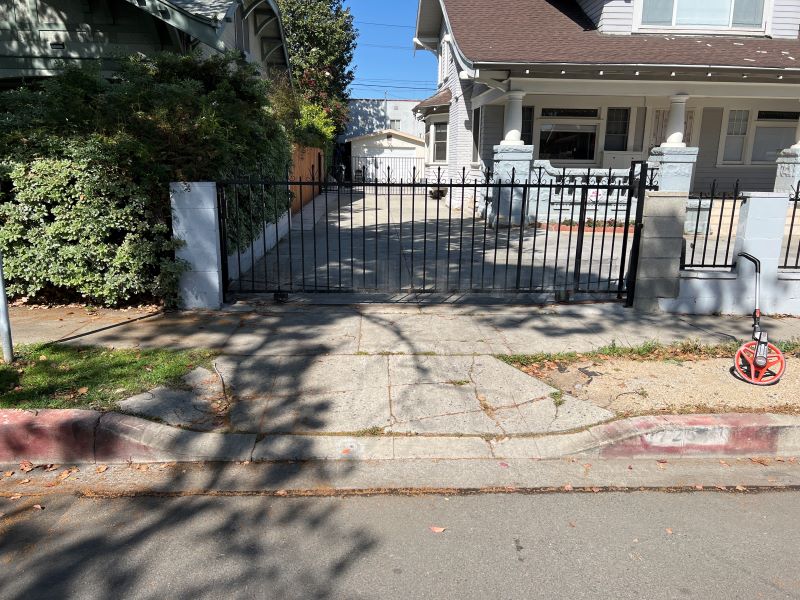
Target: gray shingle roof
{"x": 208, "y": 9}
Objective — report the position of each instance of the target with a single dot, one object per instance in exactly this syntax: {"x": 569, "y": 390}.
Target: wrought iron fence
{"x": 710, "y": 231}
{"x": 791, "y": 241}
{"x": 435, "y": 235}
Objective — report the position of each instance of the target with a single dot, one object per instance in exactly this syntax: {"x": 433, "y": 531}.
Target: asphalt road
{"x": 606, "y": 545}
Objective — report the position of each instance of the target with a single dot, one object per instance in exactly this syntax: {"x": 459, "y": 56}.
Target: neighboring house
{"x": 36, "y": 38}
{"x": 599, "y": 83}
{"x": 387, "y": 154}
{"x": 371, "y": 115}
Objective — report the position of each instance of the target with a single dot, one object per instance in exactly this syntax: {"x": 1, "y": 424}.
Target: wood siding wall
{"x": 87, "y": 29}
{"x": 786, "y": 19}
{"x": 753, "y": 178}
{"x": 610, "y": 16}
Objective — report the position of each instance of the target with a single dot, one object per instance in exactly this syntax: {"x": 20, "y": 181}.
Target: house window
{"x": 527, "y": 125}
{"x": 617, "y": 125}
{"x": 758, "y": 139}
{"x": 567, "y": 141}
{"x": 394, "y": 124}
{"x": 476, "y": 135}
{"x": 440, "y": 142}
{"x": 736, "y": 135}
{"x": 718, "y": 14}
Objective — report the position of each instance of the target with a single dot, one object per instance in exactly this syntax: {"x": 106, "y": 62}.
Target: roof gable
{"x": 559, "y": 32}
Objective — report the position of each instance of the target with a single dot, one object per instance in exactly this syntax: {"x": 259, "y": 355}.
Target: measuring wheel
{"x": 747, "y": 368}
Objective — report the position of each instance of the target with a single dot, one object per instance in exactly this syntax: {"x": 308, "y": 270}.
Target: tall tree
{"x": 321, "y": 39}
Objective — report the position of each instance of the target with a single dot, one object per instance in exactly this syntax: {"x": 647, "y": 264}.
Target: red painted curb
{"x": 85, "y": 436}
{"x": 47, "y": 436}
{"x": 699, "y": 436}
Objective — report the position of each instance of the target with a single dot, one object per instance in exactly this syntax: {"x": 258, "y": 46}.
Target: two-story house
{"x": 38, "y": 37}
{"x": 599, "y": 83}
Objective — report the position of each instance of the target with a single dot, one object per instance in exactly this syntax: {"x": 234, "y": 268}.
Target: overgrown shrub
{"x": 85, "y": 165}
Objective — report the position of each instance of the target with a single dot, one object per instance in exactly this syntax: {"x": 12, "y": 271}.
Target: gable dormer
{"x": 773, "y": 18}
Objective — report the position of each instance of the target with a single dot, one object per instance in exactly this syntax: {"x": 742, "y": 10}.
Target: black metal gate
{"x": 561, "y": 235}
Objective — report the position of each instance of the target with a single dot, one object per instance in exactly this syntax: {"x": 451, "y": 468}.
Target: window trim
{"x": 477, "y": 135}
{"x": 432, "y": 152}
{"x": 749, "y": 142}
{"x": 765, "y": 29}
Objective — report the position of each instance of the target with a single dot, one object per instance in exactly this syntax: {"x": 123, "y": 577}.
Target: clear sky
{"x": 385, "y": 62}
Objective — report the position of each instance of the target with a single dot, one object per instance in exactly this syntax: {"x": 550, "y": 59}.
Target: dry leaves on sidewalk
{"x": 26, "y": 466}
{"x": 436, "y": 529}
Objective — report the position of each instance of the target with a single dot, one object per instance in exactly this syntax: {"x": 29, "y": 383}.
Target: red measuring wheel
{"x": 766, "y": 375}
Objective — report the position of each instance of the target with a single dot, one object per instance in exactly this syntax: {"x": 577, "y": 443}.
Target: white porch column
{"x": 676, "y": 122}
{"x": 513, "y": 119}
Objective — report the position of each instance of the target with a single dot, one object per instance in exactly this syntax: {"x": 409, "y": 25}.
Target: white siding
{"x": 617, "y": 17}
{"x": 785, "y": 19}
{"x": 610, "y": 16}
{"x": 459, "y": 131}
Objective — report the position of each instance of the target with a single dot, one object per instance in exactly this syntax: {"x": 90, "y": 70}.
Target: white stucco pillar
{"x": 513, "y": 119}
{"x": 676, "y": 122}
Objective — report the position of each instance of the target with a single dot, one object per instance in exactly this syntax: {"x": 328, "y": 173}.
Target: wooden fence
{"x": 305, "y": 162}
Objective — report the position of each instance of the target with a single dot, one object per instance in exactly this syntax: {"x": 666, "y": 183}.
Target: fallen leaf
{"x": 101, "y": 469}
{"x": 38, "y": 507}
{"x": 15, "y": 497}
{"x": 25, "y": 481}
{"x": 346, "y": 451}
{"x": 572, "y": 524}
{"x": 741, "y": 488}
{"x": 635, "y": 540}
{"x": 793, "y": 460}
{"x": 662, "y": 461}
{"x": 668, "y": 530}
{"x": 435, "y": 529}
{"x": 721, "y": 487}
{"x": 698, "y": 487}
{"x": 8, "y": 474}
{"x": 281, "y": 493}
{"x": 630, "y": 467}
{"x": 595, "y": 490}
{"x": 724, "y": 464}
{"x": 761, "y": 460}
{"x": 503, "y": 465}
{"x": 568, "y": 488}
{"x": 82, "y": 391}
{"x": 26, "y": 466}
{"x": 49, "y": 468}
{"x": 42, "y": 357}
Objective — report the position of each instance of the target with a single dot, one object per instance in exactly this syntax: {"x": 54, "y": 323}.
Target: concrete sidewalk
{"x": 250, "y": 329}
{"x": 376, "y": 372}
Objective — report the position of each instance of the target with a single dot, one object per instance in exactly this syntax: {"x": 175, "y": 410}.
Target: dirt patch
{"x": 633, "y": 387}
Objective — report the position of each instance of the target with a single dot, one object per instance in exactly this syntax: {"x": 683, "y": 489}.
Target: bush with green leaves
{"x": 85, "y": 164}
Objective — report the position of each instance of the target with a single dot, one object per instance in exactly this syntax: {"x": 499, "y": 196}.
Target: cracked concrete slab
{"x": 201, "y": 407}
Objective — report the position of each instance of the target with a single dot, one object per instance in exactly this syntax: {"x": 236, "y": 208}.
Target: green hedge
{"x": 85, "y": 164}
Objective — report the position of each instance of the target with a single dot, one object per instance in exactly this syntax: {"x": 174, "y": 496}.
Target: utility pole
{"x": 5, "y": 322}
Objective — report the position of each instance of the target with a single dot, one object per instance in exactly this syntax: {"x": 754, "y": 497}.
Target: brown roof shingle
{"x": 442, "y": 98}
{"x": 558, "y": 32}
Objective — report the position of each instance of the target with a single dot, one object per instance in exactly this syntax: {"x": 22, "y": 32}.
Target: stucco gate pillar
{"x": 664, "y": 215}
{"x": 512, "y": 166}
{"x": 195, "y": 222}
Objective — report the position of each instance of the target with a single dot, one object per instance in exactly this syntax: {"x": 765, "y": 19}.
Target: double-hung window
{"x": 568, "y": 134}
{"x": 757, "y": 138}
{"x": 712, "y": 14}
{"x": 476, "y": 135}
{"x": 440, "y": 142}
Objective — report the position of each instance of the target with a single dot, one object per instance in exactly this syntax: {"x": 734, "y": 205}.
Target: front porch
{"x": 575, "y": 124}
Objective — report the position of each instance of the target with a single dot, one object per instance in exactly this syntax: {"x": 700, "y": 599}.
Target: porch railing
{"x": 710, "y": 232}
{"x": 791, "y": 242}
